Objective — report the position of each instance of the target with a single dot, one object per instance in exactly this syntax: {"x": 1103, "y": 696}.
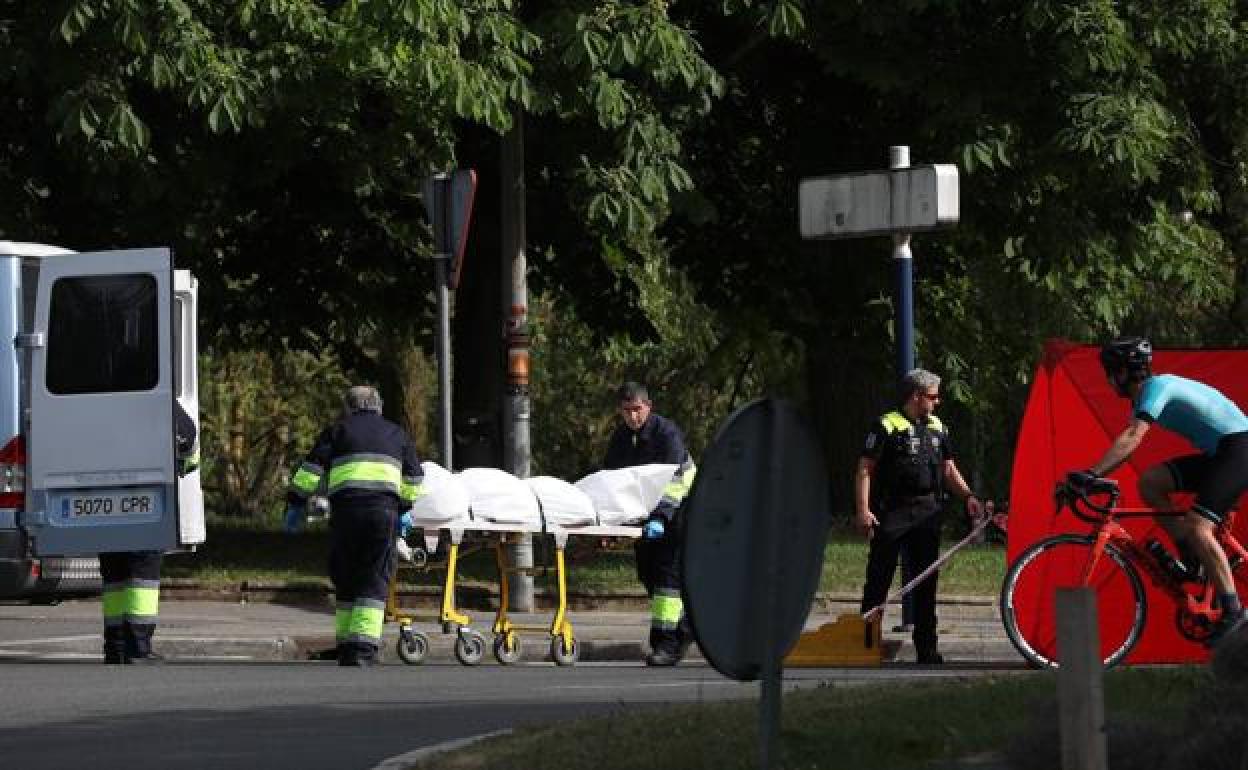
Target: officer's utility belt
{"x": 894, "y": 501}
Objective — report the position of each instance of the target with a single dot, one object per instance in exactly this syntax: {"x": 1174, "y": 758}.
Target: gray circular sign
{"x": 754, "y": 529}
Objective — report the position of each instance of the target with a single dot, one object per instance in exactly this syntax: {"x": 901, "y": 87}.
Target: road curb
{"x": 480, "y": 597}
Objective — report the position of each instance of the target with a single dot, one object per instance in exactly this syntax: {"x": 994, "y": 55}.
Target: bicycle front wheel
{"x": 1029, "y": 598}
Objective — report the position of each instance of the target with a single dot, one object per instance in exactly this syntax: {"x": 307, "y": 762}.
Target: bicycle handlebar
{"x": 1078, "y": 498}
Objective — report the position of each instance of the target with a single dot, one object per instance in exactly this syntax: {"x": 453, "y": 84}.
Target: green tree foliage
{"x": 1083, "y": 131}
{"x": 700, "y": 365}
{"x": 279, "y": 146}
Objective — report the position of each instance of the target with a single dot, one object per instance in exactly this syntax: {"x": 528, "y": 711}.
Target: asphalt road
{"x": 309, "y": 715}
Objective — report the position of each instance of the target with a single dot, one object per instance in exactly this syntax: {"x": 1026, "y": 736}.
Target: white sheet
{"x": 499, "y": 497}
{"x": 653, "y": 479}
{"x": 625, "y": 497}
{"x": 563, "y": 505}
{"x": 445, "y": 498}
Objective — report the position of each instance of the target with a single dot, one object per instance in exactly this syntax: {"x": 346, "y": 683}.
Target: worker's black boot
{"x": 138, "y": 638}
{"x": 929, "y": 657}
{"x": 114, "y": 645}
{"x": 357, "y": 655}
{"x": 663, "y": 658}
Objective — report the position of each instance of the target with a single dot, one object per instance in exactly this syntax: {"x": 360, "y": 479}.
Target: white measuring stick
{"x": 871, "y": 615}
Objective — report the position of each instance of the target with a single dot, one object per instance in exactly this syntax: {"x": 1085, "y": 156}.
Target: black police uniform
{"x": 372, "y": 469}
{"x": 658, "y": 561}
{"x": 906, "y": 495}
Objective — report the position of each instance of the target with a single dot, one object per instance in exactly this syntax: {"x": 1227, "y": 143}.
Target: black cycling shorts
{"x": 1217, "y": 479}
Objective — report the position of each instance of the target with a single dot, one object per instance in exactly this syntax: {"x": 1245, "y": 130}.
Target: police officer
{"x": 906, "y": 464}
{"x": 131, "y": 579}
{"x": 642, "y": 438}
{"x": 374, "y": 473}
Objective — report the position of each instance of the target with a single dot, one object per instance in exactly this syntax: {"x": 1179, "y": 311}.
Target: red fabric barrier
{"x": 1072, "y": 416}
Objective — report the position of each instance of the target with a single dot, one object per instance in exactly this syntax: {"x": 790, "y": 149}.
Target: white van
{"x": 96, "y": 348}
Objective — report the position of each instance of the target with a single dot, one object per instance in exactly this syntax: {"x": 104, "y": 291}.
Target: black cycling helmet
{"x": 1135, "y": 354}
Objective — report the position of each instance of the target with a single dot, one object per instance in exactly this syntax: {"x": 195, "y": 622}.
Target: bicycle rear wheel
{"x": 1029, "y": 598}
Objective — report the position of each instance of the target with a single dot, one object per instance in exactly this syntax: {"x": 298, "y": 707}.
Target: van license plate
{"x": 99, "y": 503}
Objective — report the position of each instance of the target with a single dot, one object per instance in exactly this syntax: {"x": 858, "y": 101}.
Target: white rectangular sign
{"x": 904, "y": 200}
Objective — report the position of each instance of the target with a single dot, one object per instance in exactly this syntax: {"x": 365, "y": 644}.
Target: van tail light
{"x": 13, "y": 473}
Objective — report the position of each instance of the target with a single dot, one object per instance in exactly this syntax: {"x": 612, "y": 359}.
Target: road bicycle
{"x": 1110, "y": 561}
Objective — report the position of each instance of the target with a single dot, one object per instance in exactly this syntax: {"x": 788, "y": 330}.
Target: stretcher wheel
{"x": 469, "y": 647}
{"x": 564, "y": 655}
{"x": 507, "y": 653}
{"x": 412, "y": 647}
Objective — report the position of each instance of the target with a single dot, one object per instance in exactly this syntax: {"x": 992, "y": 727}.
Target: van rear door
{"x": 101, "y": 469}
{"x": 191, "y": 527}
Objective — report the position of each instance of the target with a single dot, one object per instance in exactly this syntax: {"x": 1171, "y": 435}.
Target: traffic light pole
{"x": 516, "y": 403}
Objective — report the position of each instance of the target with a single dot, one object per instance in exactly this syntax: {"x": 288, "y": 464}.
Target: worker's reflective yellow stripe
{"x": 411, "y": 488}
{"x": 366, "y": 471}
{"x": 366, "y": 620}
{"x": 307, "y": 478}
{"x": 113, "y": 602}
{"x": 143, "y": 599}
{"x": 134, "y": 600}
{"x": 666, "y": 608}
{"x": 678, "y": 488}
{"x": 342, "y": 621}
{"x": 896, "y": 421}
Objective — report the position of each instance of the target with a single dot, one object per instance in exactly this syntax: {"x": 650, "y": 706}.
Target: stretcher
{"x": 481, "y": 508}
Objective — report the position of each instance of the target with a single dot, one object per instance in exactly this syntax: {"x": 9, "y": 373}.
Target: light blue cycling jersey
{"x": 1192, "y": 409}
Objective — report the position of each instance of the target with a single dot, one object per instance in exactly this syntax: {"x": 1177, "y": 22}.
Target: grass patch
{"x": 254, "y": 550}
{"x": 976, "y": 570}
{"x": 885, "y": 726}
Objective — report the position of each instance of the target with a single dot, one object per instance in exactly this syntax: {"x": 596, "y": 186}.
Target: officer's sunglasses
{"x": 933, "y": 397}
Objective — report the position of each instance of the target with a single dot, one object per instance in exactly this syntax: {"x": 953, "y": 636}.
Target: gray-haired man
{"x": 373, "y": 473}
{"x": 906, "y": 464}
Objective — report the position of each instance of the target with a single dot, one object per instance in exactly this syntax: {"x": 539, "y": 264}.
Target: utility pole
{"x": 903, "y": 260}
{"x": 516, "y": 402}
{"x": 903, "y": 315}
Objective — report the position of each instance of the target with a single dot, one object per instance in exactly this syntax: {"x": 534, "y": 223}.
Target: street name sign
{"x": 904, "y": 200}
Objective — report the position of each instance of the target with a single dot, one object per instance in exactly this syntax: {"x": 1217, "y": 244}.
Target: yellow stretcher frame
{"x": 470, "y": 644}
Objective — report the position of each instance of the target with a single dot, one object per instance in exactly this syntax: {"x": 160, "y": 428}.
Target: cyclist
{"x": 1218, "y": 474}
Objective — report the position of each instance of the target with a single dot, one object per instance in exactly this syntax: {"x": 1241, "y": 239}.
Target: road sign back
{"x": 448, "y": 204}
{"x": 755, "y": 525}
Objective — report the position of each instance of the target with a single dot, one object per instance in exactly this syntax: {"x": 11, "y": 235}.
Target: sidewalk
{"x": 242, "y": 629}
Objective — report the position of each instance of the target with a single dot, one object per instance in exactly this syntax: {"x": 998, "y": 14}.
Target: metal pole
{"x": 444, "y": 360}
{"x": 516, "y": 404}
{"x": 899, "y": 158}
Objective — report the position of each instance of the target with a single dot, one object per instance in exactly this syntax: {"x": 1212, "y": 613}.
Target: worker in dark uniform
{"x": 905, "y": 467}
{"x": 131, "y": 579}
{"x": 374, "y": 475}
{"x": 642, "y": 438}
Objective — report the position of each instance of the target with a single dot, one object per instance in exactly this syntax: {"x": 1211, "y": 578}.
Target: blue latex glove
{"x": 653, "y": 530}
{"x": 404, "y": 524}
{"x": 294, "y": 517}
